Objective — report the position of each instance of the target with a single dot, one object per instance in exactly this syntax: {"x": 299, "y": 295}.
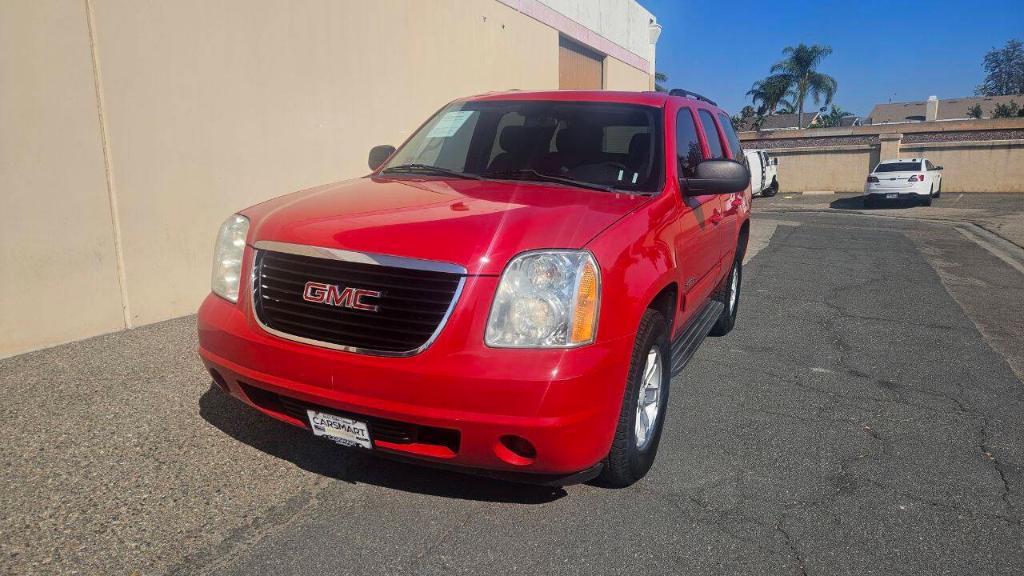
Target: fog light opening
{"x": 219, "y": 381}
{"x": 515, "y": 450}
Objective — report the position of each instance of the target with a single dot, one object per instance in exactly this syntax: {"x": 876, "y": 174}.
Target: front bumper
{"x": 565, "y": 403}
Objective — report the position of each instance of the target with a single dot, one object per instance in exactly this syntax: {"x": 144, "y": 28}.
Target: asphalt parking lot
{"x": 866, "y": 416}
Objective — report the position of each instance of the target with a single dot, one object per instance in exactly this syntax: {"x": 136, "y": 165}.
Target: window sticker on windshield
{"x": 449, "y": 124}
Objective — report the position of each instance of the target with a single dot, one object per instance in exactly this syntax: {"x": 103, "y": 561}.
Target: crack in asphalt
{"x": 791, "y": 543}
{"x": 843, "y": 348}
{"x": 987, "y": 452}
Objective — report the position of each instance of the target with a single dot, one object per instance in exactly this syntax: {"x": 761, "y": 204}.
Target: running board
{"x": 689, "y": 340}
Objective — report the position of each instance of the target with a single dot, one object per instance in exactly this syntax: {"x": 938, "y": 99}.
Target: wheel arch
{"x": 666, "y": 301}
{"x": 741, "y": 241}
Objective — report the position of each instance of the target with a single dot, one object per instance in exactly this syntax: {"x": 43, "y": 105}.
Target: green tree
{"x": 659, "y": 81}
{"x": 744, "y": 120}
{"x": 1011, "y": 110}
{"x": 833, "y": 118}
{"x": 770, "y": 93}
{"x": 975, "y": 112}
{"x": 800, "y": 66}
{"x": 787, "y": 107}
{"x": 1004, "y": 70}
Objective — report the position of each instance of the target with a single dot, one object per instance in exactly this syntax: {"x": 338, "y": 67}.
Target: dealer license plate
{"x": 344, "y": 431}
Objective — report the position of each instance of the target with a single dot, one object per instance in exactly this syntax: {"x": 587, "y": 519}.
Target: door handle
{"x": 716, "y": 217}
{"x": 734, "y": 206}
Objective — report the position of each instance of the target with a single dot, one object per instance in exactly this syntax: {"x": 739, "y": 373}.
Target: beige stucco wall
{"x": 621, "y": 76}
{"x": 837, "y": 169}
{"x": 209, "y": 107}
{"x": 973, "y": 160}
{"x": 974, "y": 167}
{"x": 58, "y": 271}
{"x": 289, "y": 96}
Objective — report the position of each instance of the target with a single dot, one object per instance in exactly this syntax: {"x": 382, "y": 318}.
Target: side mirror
{"x": 774, "y": 161}
{"x": 380, "y": 155}
{"x": 717, "y": 177}
{"x": 938, "y": 167}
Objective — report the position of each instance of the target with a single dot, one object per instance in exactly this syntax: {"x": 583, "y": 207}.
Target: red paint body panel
{"x": 477, "y": 224}
{"x": 563, "y": 401}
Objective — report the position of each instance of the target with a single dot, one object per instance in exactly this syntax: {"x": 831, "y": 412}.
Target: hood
{"x": 477, "y": 224}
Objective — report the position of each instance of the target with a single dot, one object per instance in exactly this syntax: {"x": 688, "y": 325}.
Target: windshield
{"x": 899, "y": 167}
{"x": 592, "y": 144}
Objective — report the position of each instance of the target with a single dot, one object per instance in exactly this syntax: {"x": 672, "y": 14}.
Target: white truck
{"x": 764, "y": 172}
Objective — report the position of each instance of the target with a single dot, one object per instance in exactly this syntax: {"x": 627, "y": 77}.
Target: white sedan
{"x": 903, "y": 179}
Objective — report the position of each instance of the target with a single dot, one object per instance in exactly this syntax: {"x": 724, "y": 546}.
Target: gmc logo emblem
{"x": 332, "y": 294}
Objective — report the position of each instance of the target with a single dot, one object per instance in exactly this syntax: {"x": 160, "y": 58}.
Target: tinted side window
{"x": 730, "y": 135}
{"x": 711, "y": 133}
{"x": 928, "y": 165}
{"x": 687, "y": 143}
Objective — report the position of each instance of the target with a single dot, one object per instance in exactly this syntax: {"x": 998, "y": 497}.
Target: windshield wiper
{"x": 550, "y": 178}
{"x": 428, "y": 169}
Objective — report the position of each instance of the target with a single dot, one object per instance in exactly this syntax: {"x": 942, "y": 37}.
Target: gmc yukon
{"x": 510, "y": 292}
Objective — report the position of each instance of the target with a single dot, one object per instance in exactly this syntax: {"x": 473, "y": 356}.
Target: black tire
{"x": 626, "y": 462}
{"x": 727, "y": 320}
{"x": 771, "y": 190}
{"x": 939, "y": 191}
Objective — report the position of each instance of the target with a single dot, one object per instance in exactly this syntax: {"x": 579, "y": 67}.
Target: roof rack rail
{"x": 688, "y": 94}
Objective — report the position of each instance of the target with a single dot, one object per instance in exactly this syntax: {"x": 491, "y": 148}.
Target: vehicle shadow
{"x": 848, "y": 203}
{"x": 857, "y": 203}
{"x": 246, "y": 424}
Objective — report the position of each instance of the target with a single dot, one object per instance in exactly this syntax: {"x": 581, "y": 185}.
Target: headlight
{"x": 227, "y": 257}
{"x": 546, "y": 298}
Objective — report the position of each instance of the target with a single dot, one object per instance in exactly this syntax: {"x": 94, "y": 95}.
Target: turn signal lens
{"x": 584, "y": 317}
{"x": 546, "y": 299}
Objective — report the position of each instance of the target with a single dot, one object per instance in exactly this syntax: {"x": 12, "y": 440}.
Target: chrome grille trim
{"x": 362, "y": 258}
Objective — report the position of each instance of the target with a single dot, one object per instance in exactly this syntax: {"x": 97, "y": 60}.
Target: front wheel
{"x": 771, "y": 190}
{"x": 638, "y": 431}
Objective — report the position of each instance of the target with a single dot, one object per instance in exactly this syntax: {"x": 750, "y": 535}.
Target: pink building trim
{"x": 578, "y": 32}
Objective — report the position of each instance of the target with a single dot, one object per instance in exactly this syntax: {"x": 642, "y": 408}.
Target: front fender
{"x": 637, "y": 262}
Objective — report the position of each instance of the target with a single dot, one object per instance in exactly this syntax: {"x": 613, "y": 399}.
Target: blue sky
{"x": 882, "y": 50}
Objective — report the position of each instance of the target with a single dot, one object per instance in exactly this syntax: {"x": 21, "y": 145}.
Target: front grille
{"x": 412, "y": 305}
{"x": 381, "y": 429}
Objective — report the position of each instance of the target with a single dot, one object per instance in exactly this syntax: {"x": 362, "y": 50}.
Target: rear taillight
{"x": 917, "y": 178}
{"x": 872, "y": 179}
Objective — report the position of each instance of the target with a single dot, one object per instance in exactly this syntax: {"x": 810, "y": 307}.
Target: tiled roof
{"x": 783, "y": 121}
{"x": 949, "y": 109}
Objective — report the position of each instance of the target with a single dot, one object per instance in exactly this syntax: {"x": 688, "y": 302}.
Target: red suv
{"x": 509, "y": 292}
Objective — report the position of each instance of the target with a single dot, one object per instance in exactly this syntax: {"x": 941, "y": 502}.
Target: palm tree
{"x": 787, "y": 107}
{"x": 659, "y": 81}
{"x": 800, "y": 66}
{"x": 770, "y": 92}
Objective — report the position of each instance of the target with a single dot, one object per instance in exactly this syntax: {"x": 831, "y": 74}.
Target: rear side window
{"x": 731, "y": 137}
{"x": 687, "y": 144}
{"x": 711, "y": 133}
{"x": 899, "y": 167}
{"x": 928, "y": 165}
